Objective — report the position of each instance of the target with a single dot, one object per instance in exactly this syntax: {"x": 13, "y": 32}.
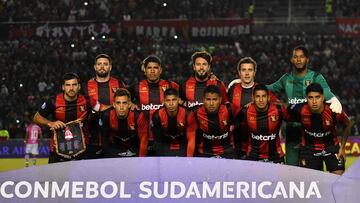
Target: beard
{"x": 71, "y": 94}
{"x": 102, "y": 74}
{"x": 201, "y": 77}
{"x": 299, "y": 70}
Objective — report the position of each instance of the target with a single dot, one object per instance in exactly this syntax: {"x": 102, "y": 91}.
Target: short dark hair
{"x": 171, "y": 91}
{"x": 259, "y": 87}
{"x": 203, "y": 54}
{"x": 213, "y": 89}
{"x": 247, "y": 60}
{"x": 70, "y": 76}
{"x": 103, "y": 56}
{"x": 147, "y": 60}
{"x": 303, "y": 49}
{"x": 122, "y": 92}
{"x": 314, "y": 87}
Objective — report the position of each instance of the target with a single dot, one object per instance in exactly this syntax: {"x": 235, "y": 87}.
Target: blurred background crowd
{"x": 32, "y": 67}
{"x": 69, "y": 10}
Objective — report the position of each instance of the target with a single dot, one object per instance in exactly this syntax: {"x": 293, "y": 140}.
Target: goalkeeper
{"x": 294, "y": 85}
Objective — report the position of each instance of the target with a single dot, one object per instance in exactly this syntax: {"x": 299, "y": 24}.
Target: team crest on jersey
{"x": 225, "y": 122}
{"x": 114, "y": 89}
{"x": 273, "y": 118}
{"x": 43, "y": 106}
{"x": 132, "y": 127}
{"x": 164, "y": 88}
{"x": 252, "y": 118}
{"x": 143, "y": 89}
{"x": 190, "y": 87}
{"x": 82, "y": 108}
{"x": 307, "y": 82}
{"x": 327, "y": 122}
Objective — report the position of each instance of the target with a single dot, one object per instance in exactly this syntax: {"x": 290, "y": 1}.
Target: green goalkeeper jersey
{"x": 295, "y": 87}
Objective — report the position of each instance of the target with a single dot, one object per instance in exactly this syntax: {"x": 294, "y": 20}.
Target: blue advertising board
{"x": 16, "y": 149}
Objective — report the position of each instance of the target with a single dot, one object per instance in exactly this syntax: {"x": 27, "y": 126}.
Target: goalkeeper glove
{"x": 335, "y": 105}
{"x": 234, "y": 82}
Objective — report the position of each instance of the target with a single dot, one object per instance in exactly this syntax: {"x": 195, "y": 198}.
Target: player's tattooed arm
{"x": 39, "y": 119}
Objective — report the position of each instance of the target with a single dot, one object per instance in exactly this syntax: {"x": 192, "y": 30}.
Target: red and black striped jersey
{"x": 239, "y": 97}
{"x": 318, "y": 130}
{"x": 173, "y": 135}
{"x": 65, "y": 111}
{"x": 102, "y": 93}
{"x": 263, "y": 129}
{"x": 150, "y": 96}
{"x": 126, "y": 133}
{"x": 213, "y": 131}
{"x": 192, "y": 91}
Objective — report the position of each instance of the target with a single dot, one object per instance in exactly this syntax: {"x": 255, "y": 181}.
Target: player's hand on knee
{"x": 341, "y": 155}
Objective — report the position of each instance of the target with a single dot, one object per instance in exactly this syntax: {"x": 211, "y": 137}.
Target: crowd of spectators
{"x": 114, "y": 10}
{"x": 31, "y": 69}
{"x": 347, "y": 8}
{"x": 67, "y": 10}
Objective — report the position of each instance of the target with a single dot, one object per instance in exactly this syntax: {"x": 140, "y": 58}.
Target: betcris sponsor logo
{"x": 314, "y": 134}
{"x": 297, "y": 100}
{"x": 192, "y": 104}
{"x": 263, "y": 137}
{"x": 216, "y": 137}
{"x": 150, "y": 107}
